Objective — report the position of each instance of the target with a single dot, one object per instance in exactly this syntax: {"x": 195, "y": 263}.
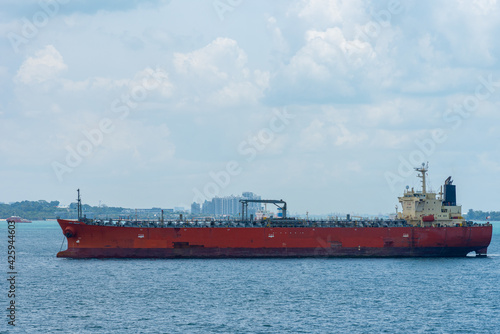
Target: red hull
{"x": 92, "y": 241}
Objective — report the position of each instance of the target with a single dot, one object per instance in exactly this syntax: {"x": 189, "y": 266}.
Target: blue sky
{"x": 325, "y": 104}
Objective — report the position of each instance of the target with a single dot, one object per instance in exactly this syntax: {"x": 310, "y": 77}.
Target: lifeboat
{"x": 427, "y": 219}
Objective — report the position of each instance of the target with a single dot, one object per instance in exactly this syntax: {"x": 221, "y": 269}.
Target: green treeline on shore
{"x": 483, "y": 215}
{"x": 40, "y": 210}
{"x": 33, "y": 210}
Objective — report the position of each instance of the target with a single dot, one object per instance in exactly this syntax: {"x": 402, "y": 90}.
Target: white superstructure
{"x": 422, "y": 208}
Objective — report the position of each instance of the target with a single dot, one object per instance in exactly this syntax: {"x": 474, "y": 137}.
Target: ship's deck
{"x": 260, "y": 223}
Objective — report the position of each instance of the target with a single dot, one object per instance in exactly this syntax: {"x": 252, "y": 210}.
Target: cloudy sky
{"x": 325, "y": 104}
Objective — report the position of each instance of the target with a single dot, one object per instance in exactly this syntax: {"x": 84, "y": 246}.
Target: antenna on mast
{"x": 423, "y": 170}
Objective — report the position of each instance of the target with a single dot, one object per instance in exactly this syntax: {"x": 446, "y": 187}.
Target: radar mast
{"x": 423, "y": 170}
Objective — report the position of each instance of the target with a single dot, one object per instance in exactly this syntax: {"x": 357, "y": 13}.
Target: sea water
{"x": 413, "y": 295}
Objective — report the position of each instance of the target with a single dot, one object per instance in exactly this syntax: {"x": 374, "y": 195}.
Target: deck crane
{"x": 244, "y": 205}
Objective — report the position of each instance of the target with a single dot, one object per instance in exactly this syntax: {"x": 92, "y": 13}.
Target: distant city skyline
{"x": 229, "y": 205}
{"x": 326, "y": 104}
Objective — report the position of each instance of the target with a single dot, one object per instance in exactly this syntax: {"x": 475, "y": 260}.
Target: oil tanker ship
{"x": 429, "y": 225}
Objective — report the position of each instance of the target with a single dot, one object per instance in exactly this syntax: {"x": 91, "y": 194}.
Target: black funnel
{"x": 450, "y": 193}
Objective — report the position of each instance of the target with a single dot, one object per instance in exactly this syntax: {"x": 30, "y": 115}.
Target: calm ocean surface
{"x": 246, "y": 295}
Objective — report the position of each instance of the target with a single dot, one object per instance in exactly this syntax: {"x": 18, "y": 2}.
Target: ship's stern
{"x": 483, "y": 252}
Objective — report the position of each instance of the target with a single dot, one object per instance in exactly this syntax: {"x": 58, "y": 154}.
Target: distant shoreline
{"x": 55, "y": 219}
{"x": 40, "y": 220}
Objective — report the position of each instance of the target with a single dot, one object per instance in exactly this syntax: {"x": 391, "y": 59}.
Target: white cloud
{"x": 220, "y": 59}
{"x": 154, "y": 80}
{"x": 489, "y": 162}
{"x": 313, "y": 136}
{"x": 218, "y": 74}
{"x": 466, "y": 30}
{"x": 345, "y": 137}
{"x": 47, "y": 64}
{"x": 146, "y": 146}
{"x": 327, "y": 13}
{"x": 390, "y": 139}
{"x": 327, "y": 131}
{"x": 331, "y": 47}
{"x": 327, "y": 68}
{"x": 279, "y": 42}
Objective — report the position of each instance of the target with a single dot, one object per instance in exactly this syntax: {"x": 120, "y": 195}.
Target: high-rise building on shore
{"x": 226, "y": 206}
{"x": 195, "y": 208}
